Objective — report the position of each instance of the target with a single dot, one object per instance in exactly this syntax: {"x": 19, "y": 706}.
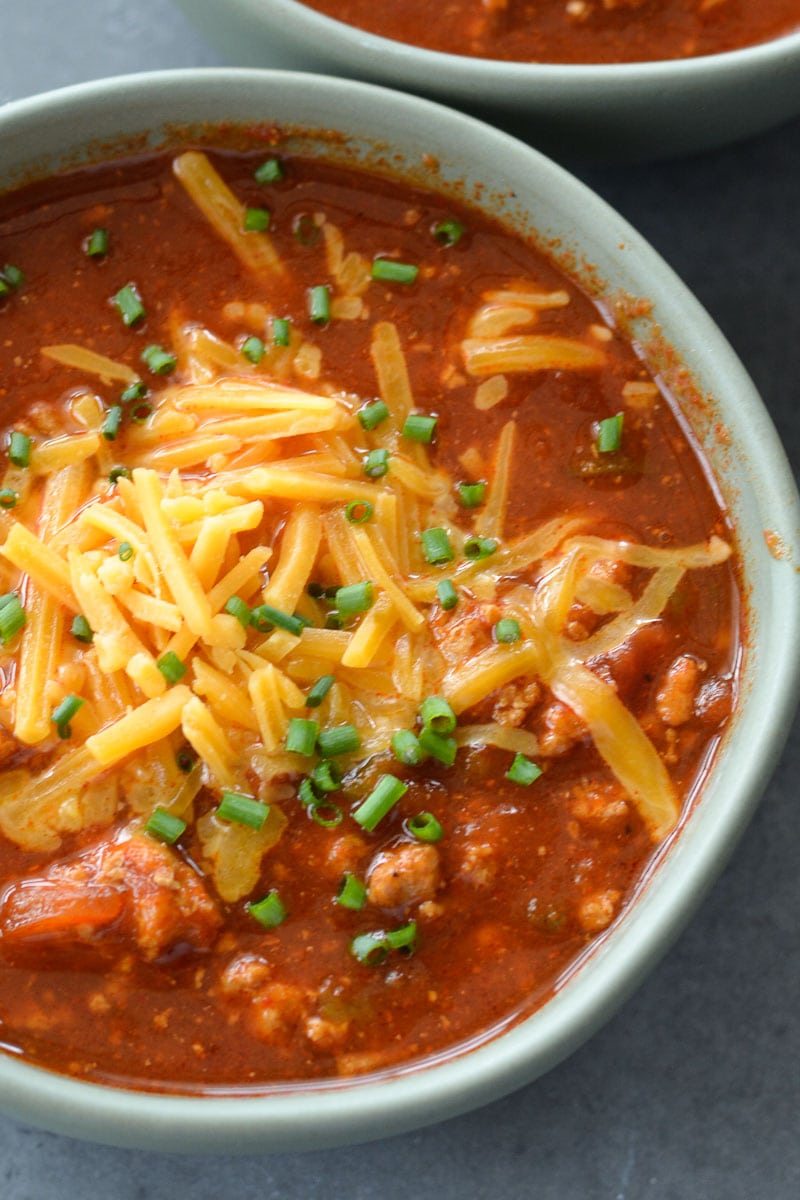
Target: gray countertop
{"x": 693, "y": 1089}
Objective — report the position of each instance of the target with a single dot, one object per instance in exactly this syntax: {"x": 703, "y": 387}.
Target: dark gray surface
{"x": 693, "y": 1090}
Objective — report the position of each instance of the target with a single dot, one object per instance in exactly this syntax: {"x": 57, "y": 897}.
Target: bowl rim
{"x": 449, "y": 69}
{"x": 314, "y": 1116}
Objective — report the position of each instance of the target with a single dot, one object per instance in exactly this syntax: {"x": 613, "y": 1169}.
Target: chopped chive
{"x": 436, "y": 546}
{"x": 354, "y": 598}
{"x": 12, "y": 616}
{"x": 135, "y": 391}
{"x": 306, "y": 794}
{"x": 372, "y": 414}
{"x": 419, "y": 427}
{"x": 470, "y": 495}
{"x": 333, "y": 620}
{"x": 128, "y": 304}
{"x": 389, "y": 271}
{"x": 358, "y": 511}
{"x": 477, "y": 548}
{"x": 304, "y": 621}
{"x": 436, "y": 714}
{"x": 376, "y": 463}
{"x": 81, "y": 630}
{"x": 371, "y": 949}
{"x": 281, "y": 331}
{"x": 320, "y": 690}
{"x": 8, "y": 498}
{"x": 449, "y": 232}
{"x": 507, "y": 630}
{"x": 125, "y": 551}
{"x": 448, "y": 596}
{"x": 270, "y": 171}
{"x": 171, "y": 667}
{"x": 165, "y": 826}
{"x": 13, "y": 277}
{"x": 352, "y": 893}
{"x": 379, "y": 802}
{"x": 425, "y": 827}
{"x": 443, "y": 749}
{"x": 305, "y": 229}
{"x": 236, "y": 607}
{"x": 159, "y": 360}
{"x": 319, "y": 304}
{"x": 523, "y": 771}
{"x": 243, "y": 810}
{"x": 253, "y": 350}
{"x": 96, "y": 244}
{"x": 264, "y": 617}
{"x": 117, "y": 473}
{"x": 185, "y": 761}
{"x": 301, "y": 736}
{"x": 256, "y": 220}
{"x": 139, "y": 413}
{"x": 342, "y": 739}
{"x": 269, "y": 912}
{"x": 326, "y": 814}
{"x": 63, "y": 714}
{"x": 609, "y": 434}
{"x": 403, "y": 938}
{"x": 112, "y": 422}
{"x": 406, "y": 748}
{"x": 19, "y": 449}
{"x": 326, "y": 776}
{"x": 315, "y": 590}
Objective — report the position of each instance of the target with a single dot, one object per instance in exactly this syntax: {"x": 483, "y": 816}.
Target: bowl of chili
{"x": 367, "y": 734}
{"x": 604, "y": 81}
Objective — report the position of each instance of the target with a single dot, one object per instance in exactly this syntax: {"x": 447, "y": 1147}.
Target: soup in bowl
{"x": 386, "y": 655}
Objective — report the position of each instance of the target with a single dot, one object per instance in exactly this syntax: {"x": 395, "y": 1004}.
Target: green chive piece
{"x": 523, "y": 771}
{"x": 112, "y": 422}
{"x": 419, "y": 427}
{"x": 319, "y": 304}
{"x": 320, "y": 690}
{"x": 171, "y": 667}
{"x": 81, "y": 630}
{"x": 425, "y": 827}
{"x": 507, "y": 630}
{"x": 128, "y": 304}
{"x": 139, "y": 413}
{"x": 64, "y": 712}
{"x": 436, "y": 547}
{"x": 371, "y": 949}
{"x": 389, "y": 271}
{"x": 448, "y": 596}
{"x": 159, "y": 360}
{"x": 118, "y": 473}
{"x": 253, "y": 350}
{"x": 477, "y": 548}
{"x": 96, "y": 244}
{"x": 19, "y": 449}
{"x": 264, "y": 617}
{"x": 8, "y": 498}
{"x": 352, "y": 893}
{"x": 404, "y": 938}
{"x": 376, "y": 463}
{"x": 372, "y": 414}
{"x": 301, "y": 736}
{"x": 12, "y": 617}
{"x": 306, "y": 794}
{"x": 269, "y": 912}
{"x": 165, "y": 826}
{"x": 281, "y": 331}
{"x": 443, "y": 749}
{"x": 406, "y": 748}
{"x": 136, "y": 391}
{"x": 333, "y": 621}
{"x": 449, "y": 232}
{"x": 379, "y": 802}
{"x": 185, "y": 760}
{"x": 436, "y": 714}
{"x": 236, "y": 607}
{"x": 609, "y": 434}
{"x": 270, "y": 171}
{"x": 354, "y": 598}
{"x": 326, "y": 814}
{"x": 305, "y": 229}
{"x": 470, "y": 495}
{"x": 256, "y": 220}
{"x": 243, "y": 810}
{"x": 125, "y": 551}
{"x": 13, "y": 277}
{"x": 342, "y": 739}
{"x": 326, "y": 776}
{"x": 358, "y": 512}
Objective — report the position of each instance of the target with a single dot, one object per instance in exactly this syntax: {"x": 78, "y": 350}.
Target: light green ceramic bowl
{"x": 631, "y": 111}
{"x": 39, "y": 135}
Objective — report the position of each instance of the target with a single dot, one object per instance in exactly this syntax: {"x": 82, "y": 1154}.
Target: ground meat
{"x": 600, "y": 806}
{"x": 244, "y": 974}
{"x": 514, "y": 701}
{"x": 562, "y": 730}
{"x": 676, "y": 696}
{"x": 404, "y": 875}
{"x": 276, "y": 1009}
{"x": 597, "y": 910}
{"x": 324, "y": 1033}
{"x": 479, "y": 866}
{"x": 345, "y": 854}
